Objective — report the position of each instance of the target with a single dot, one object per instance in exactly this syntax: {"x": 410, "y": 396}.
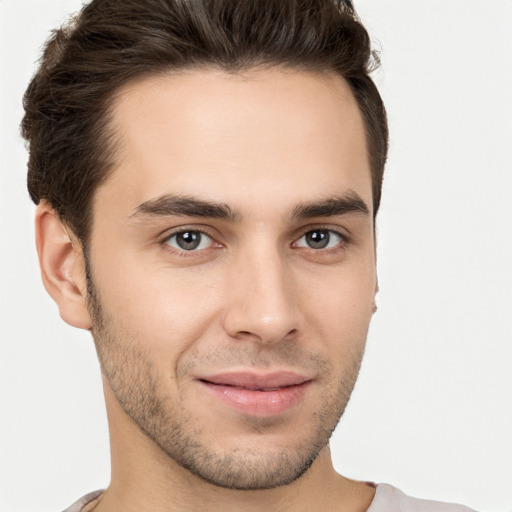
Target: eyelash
{"x": 182, "y": 252}
{"x": 344, "y": 241}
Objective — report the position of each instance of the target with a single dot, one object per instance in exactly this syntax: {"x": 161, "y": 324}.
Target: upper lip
{"x": 254, "y": 380}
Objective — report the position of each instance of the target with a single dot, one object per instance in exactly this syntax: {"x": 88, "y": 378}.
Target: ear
{"x": 375, "y": 297}
{"x": 62, "y": 267}
{"x": 376, "y": 275}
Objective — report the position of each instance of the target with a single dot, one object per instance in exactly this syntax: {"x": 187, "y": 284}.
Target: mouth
{"x": 257, "y": 394}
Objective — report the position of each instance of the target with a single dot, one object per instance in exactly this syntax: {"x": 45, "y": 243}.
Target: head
{"x": 208, "y": 175}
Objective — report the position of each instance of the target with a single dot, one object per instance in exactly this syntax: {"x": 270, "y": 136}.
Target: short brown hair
{"x": 111, "y": 42}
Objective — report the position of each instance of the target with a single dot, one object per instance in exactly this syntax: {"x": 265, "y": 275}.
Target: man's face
{"x": 233, "y": 268}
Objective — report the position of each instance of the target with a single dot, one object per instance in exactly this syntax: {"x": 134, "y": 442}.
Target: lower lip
{"x": 259, "y": 403}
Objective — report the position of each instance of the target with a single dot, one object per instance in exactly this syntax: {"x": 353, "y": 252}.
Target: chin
{"x": 248, "y": 471}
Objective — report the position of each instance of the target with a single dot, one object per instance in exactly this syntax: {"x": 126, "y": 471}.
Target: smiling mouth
{"x": 258, "y": 395}
{"x": 249, "y": 388}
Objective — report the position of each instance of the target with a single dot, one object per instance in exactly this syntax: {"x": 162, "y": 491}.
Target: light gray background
{"x": 432, "y": 412}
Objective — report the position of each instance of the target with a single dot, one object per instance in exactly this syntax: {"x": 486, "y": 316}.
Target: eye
{"x": 319, "y": 239}
{"x": 189, "y": 240}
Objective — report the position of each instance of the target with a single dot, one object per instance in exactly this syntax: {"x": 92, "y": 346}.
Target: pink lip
{"x": 258, "y": 394}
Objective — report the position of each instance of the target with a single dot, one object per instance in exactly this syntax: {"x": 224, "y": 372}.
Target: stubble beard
{"x": 136, "y": 384}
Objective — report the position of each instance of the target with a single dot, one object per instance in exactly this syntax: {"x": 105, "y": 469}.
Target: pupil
{"x": 318, "y": 239}
{"x": 189, "y": 240}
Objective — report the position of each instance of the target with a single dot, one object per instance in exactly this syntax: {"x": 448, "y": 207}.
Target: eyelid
{"x": 168, "y": 234}
{"x": 204, "y": 242}
{"x": 320, "y": 254}
{"x": 338, "y": 230}
{"x": 346, "y": 238}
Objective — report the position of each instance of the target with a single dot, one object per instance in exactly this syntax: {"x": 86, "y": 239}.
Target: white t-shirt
{"x": 387, "y": 499}
{"x": 390, "y": 499}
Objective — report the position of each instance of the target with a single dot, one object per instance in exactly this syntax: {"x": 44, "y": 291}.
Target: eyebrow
{"x": 337, "y": 205}
{"x": 179, "y": 205}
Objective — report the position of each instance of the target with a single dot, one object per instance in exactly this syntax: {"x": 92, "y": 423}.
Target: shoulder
{"x": 389, "y": 498}
{"x": 79, "y": 506}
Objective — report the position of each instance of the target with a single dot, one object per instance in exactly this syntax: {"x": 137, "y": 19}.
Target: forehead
{"x": 261, "y": 139}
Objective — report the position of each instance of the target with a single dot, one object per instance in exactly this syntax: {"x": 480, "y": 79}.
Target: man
{"x": 207, "y": 176}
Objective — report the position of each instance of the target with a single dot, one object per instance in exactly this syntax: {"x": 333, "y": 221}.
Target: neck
{"x": 144, "y": 478}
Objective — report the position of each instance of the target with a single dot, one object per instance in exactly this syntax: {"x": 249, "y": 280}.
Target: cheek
{"x": 166, "y": 310}
{"x": 340, "y": 306}
{"x": 171, "y": 309}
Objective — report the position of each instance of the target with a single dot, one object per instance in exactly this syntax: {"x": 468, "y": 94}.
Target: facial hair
{"x": 141, "y": 389}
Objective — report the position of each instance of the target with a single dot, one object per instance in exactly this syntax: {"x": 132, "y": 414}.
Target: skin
{"x": 254, "y": 296}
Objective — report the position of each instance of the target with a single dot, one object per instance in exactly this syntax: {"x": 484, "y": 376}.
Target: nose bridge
{"x": 261, "y": 301}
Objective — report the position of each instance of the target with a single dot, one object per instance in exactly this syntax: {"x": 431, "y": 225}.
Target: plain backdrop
{"x": 432, "y": 411}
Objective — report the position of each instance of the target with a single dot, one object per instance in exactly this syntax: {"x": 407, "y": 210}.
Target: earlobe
{"x": 374, "y": 309}
{"x": 62, "y": 267}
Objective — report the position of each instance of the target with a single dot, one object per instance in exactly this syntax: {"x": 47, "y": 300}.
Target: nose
{"x": 262, "y": 304}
